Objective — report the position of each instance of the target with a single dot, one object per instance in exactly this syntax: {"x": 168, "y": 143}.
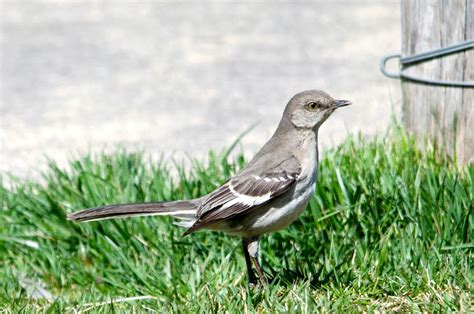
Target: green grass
{"x": 387, "y": 229}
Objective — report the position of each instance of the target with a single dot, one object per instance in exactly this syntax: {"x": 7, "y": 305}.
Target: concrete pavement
{"x": 183, "y": 77}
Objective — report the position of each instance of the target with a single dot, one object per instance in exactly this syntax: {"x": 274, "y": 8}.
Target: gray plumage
{"x": 267, "y": 195}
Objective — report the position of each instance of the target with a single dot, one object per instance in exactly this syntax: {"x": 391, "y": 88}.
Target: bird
{"x": 265, "y": 196}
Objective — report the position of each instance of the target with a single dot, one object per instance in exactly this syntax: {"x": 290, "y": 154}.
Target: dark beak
{"x": 342, "y": 103}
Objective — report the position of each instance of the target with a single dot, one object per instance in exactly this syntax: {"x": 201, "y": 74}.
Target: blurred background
{"x": 181, "y": 78}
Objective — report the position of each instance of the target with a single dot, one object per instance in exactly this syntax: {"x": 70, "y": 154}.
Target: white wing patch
{"x": 248, "y": 190}
{"x": 246, "y": 199}
{"x": 240, "y": 195}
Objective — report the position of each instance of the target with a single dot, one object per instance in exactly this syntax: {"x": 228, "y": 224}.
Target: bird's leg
{"x": 248, "y": 262}
{"x": 251, "y": 256}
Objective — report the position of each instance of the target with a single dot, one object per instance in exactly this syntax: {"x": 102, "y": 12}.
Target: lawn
{"x": 388, "y": 228}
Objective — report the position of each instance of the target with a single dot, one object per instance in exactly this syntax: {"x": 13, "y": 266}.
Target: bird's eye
{"x": 311, "y": 106}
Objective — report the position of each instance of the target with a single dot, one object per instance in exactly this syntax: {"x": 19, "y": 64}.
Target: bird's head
{"x": 309, "y": 109}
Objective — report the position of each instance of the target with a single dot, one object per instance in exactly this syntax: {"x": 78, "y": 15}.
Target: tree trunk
{"x": 444, "y": 114}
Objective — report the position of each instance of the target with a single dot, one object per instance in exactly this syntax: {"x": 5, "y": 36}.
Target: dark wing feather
{"x": 242, "y": 194}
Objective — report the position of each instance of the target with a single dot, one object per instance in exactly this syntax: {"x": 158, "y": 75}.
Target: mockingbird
{"x": 265, "y": 196}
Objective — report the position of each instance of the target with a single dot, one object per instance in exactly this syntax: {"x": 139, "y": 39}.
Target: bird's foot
{"x": 262, "y": 282}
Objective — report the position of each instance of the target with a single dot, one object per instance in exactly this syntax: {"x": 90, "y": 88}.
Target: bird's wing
{"x": 245, "y": 192}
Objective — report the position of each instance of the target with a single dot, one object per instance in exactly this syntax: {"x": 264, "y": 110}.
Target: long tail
{"x": 185, "y": 210}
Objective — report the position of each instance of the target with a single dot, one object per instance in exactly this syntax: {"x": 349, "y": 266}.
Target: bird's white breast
{"x": 286, "y": 210}
{"x": 276, "y": 218}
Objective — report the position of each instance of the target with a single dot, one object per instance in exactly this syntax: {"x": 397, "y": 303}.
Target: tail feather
{"x": 179, "y": 209}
